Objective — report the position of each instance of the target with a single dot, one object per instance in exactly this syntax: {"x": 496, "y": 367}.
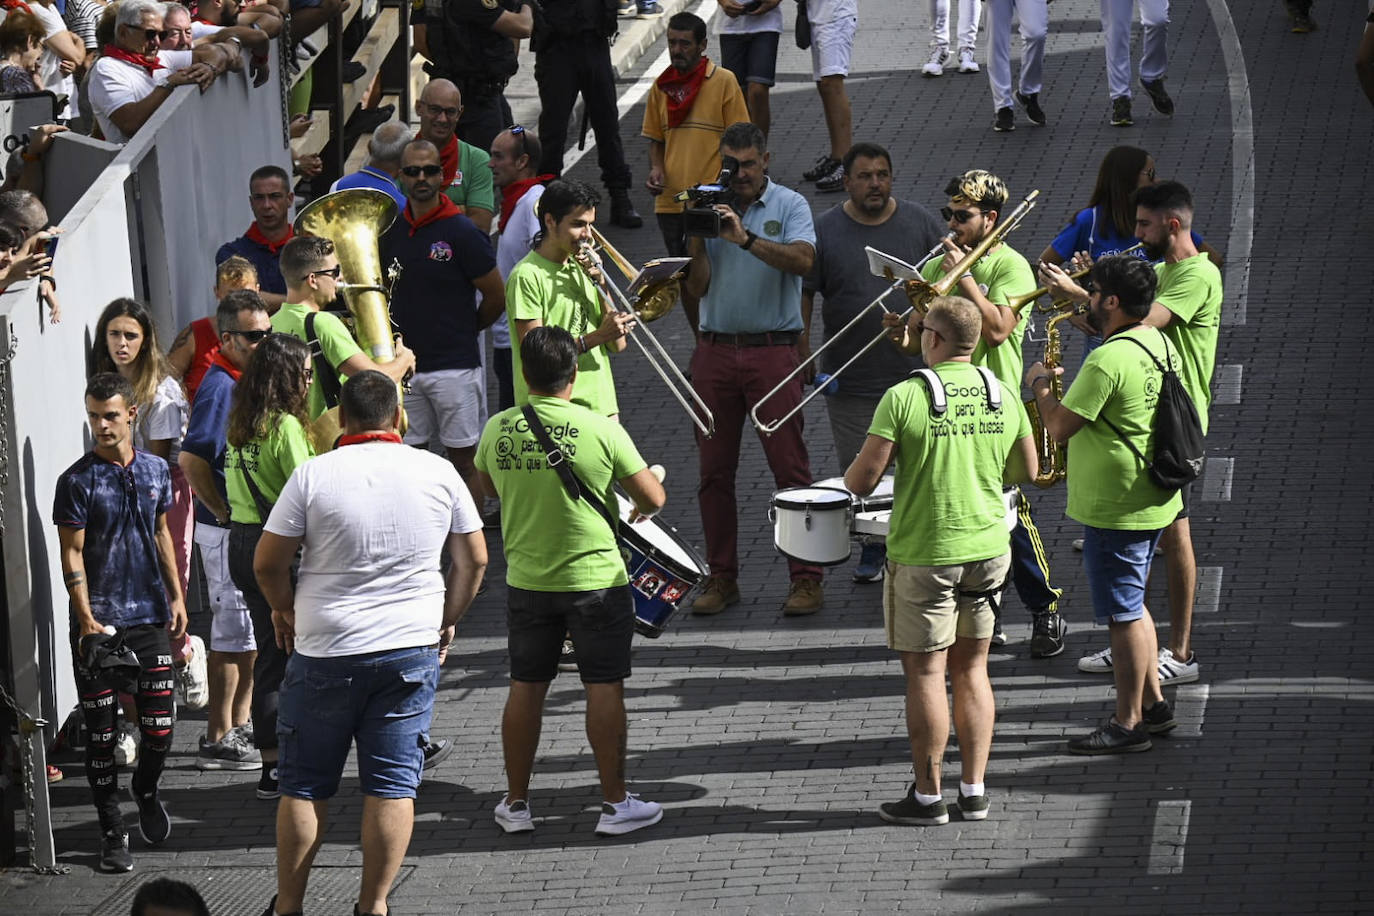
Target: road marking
{"x": 636, "y": 93}
{"x": 1216, "y": 480}
{"x": 1169, "y": 838}
{"x": 1242, "y": 167}
{"x": 1208, "y": 595}
{"x": 1190, "y": 706}
{"x": 1226, "y": 384}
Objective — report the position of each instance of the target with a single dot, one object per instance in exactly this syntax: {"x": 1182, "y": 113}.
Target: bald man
{"x": 467, "y": 169}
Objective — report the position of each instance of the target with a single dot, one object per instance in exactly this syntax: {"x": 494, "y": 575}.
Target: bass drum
{"x": 664, "y": 571}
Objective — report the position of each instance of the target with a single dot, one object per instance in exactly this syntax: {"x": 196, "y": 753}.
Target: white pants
{"x": 970, "y": 11}
{"x": 1116, "y": 33}
{"x": 1034, "y": 17}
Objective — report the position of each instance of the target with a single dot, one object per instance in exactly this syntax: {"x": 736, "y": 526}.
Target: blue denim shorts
{"x": 383, "y": 700}
{"x": 1117, "y": 564}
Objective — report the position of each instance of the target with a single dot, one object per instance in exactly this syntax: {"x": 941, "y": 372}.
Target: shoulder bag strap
{"x": 260, "y": 502}
{"x": 576, "y": 489}
{"x": 325, "y": 374}
{"x": 1162, "y": 368}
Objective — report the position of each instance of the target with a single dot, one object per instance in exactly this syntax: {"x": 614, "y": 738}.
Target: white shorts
{"x": 231, "y": 628}
{"x": 446, "y": 405}
{"x": 831, "y": 44}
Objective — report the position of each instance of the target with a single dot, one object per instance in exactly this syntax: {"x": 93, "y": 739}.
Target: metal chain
{"x": 285, "y": 56}
{"x": 5, "y": 421}
{"x": 28, "y": 727}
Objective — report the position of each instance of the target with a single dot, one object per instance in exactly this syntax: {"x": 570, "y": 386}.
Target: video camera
{"x": 700, "y": 219}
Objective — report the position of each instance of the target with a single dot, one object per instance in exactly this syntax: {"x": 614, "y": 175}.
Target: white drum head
{"x": 819, "y": 499}
{"x": 661, "y": 538}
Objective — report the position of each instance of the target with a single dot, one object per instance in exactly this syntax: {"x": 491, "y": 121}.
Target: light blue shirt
{"x": 747, "y": 296}
{"x": 367, "y": 177}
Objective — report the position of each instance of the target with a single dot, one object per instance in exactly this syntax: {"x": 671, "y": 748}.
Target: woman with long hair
{"x": 268, "y": 438}
{"x": 126, "y": 342}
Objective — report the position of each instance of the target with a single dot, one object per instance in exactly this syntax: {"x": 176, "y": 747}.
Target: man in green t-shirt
{"x": 1110, "y": 491}
{"x": 551, "y": 287}
{"x": 564, "y": 572}
{"x": 312, "y": 273}
{"x": 1187, "y": 308}
{"x": 948, "y": 549}
{"x": 976, "y": 202}
{"x": 467, "y": 172}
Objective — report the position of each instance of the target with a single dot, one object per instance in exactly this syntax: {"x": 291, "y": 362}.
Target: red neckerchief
{"x": 16, "y": 5}
{"x": 362, "y": 438}
{"x": 223, "y": 362}
{"x": 681, "y": 90}
{"x": 511, "y": 194}
{"x": 448, "y": 158}
{"x": 137, "y": 60}
{"x": 254, "y": 234}
{"x": 206, "y": 21}
{"x": 445, "y": 209}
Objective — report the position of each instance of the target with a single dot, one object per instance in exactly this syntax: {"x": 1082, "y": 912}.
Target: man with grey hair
{"x": 134, "y": 77}
{"x": 383, "y": 163}
{"x": 183, "y": 34}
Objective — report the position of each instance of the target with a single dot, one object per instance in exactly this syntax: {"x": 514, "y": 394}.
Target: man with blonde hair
{"x": 958, "y": 434}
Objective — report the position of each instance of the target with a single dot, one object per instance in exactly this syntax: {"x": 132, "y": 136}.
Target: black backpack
{"x": 1177, "y": 429}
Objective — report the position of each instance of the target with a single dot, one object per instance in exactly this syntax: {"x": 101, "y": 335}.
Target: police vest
{"x": 465, "y": 49}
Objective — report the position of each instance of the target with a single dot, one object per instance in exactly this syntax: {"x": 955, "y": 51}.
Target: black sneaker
{"x": 267, "y": 783}
{"x": 1159, "y": 97}
{"x": 1159, "y": 718}
{"x": 1032, "y": 105}
{"x": 823, "y": 167}
{"x": 436, "y": 752}
{"x": 567, "y": 661}
{"x": 833, "y": 181}
{"x": 973, "y": 808}
{"x": 1006, "y": 121}
{"x": 1047, "y": 635}
{"x": 1112, "y": 738}
{"x": 1121, "y": 112}
{"x": 114, "y": 851}
{"x": 153, "y": 821}
{"x": 911, "y": 813}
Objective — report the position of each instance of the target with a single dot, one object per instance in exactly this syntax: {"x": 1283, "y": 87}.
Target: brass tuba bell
{"x": 354, "y": 220}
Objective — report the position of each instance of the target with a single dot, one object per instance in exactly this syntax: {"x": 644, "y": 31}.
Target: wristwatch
{"x": 750, "y": 239}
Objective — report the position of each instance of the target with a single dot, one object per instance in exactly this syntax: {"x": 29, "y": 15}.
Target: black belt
{"x": 768, "y": 339}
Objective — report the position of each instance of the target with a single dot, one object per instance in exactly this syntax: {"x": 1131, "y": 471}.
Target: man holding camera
{"x": 750, "y": 335}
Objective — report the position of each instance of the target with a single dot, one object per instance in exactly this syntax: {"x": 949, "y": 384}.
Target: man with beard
{"x": 976, "y": 199}
{"x": 270, "y": 197}
{"x": 871, "y": 217}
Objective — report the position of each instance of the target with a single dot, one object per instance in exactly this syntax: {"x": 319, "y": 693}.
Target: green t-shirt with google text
{"x": 947, "y": 503}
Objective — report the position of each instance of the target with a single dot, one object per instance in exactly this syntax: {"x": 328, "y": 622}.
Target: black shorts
{"x": 601, "y": 624}
{"x": 1185, "y": 492}
{"x": 753, "y": 58}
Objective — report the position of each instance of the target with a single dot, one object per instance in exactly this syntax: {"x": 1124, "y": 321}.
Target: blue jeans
{"x": 382, "y": 700}
{"x": 1117, "y": 564}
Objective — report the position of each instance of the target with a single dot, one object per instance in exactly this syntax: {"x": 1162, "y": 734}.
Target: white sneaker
{"x": 627, "y": 816}
{"x": 1173, "y": 671}
{"x": 193, "y": 679}
{"x": 966, "y": 62}
{"x": 1097, "y": 663}
{"x": 936, "y": 65}
{"x": 514, "y": 817}
{"x": 126, "y": 743}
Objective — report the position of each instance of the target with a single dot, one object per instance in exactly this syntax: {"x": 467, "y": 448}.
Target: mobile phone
{"x": 751, "y": 5}
{"x": 51, "y": 245}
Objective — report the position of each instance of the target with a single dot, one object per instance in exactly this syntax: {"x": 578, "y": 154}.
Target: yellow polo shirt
{"x": 691, "y": 152}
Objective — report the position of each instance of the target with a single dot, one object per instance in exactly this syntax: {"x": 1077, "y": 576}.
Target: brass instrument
{"x": 354, "y": 220}
{"x": 919, "y": 292}
{"x": 678, "y": 386}
{"x": 1054, "y": 455}
{"x": 1017, "y": 303}
{"x": 655, "y": 300}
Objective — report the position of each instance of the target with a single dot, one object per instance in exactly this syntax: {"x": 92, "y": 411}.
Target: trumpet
{"x": 678, "y": 385}
{"x": 919, "y": 292}
{"x": 1017, "y": 303}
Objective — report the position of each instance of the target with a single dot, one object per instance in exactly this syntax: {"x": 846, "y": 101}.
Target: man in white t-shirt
{"x": 833, "y": 24}
{"x": 182, "y": 33}
{"x": 63, "y": 52}
{"x": 134, "y": 78}
{"x": 366, "y": 626}
{"x": 749, "y": 34}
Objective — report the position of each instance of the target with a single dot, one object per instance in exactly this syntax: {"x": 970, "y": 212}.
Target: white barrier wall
{"x": 147, "y": 227}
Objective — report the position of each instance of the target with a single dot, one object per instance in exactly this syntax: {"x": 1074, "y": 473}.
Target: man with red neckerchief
{"x": 467, "y": 177}
{"x": 270, "y": 197}
{"x": 445, "y": 260}
{"x": 133, "y": 78}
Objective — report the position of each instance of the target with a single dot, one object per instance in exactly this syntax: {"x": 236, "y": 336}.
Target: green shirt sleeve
{"x": 884, "y": 424}
{"x": 478, "y": 179}
{"x": 526, "y": 291}
{"x": 1091, "y": 389}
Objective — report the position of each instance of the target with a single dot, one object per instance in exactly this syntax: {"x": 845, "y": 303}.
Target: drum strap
{"x": 559, "y": 462}
{"x": 324, "y": 373}
{"x": 940, "y": 404}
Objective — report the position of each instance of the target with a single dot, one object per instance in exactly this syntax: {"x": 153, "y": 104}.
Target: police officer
{"x": 572, "y": 54}
{"x": 473, "y": 43}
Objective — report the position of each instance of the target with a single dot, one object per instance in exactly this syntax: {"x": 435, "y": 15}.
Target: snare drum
{"x": 811, "y": 524}
{"x": 880, "y": 498}
{"x": 664, "y": 571}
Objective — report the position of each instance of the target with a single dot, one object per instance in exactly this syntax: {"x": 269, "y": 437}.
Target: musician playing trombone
{"x": 557, "y": 285}
{"x": 976, "y": 199}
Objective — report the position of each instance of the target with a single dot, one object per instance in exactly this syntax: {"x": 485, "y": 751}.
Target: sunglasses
{"x": 1149, "y": 173}
{"x": 336, "y": 271}
{"x": 960, "y": 216}
{"x": 309, "y": 375}
{"x": 415, "y": 171}
{"x": 922, "y": 327}
{"x": 518, "y": 130}
{"x": 252, "y": 337}
{"x": 150, "y": 34}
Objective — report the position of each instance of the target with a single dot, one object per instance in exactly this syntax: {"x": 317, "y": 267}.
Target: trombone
{"x": 919, "y": 292}
{"x": 678, "y": 385}
{"x": 1018, "y": 303}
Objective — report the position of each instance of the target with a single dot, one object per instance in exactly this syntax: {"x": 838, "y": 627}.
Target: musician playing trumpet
{"x": 558, "y": 285}
{"x": 976, "y": 200}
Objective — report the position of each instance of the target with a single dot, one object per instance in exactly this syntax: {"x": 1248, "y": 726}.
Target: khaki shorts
{"x": 926, "y": 607}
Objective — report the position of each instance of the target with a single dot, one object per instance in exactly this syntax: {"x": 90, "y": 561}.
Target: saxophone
{"x": 1054, "y": 457}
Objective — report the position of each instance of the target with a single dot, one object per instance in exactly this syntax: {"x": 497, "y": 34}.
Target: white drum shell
{"x": 811, "y": 524}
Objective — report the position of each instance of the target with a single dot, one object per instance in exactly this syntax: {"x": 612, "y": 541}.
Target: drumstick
{"x": 658, "y": 471}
